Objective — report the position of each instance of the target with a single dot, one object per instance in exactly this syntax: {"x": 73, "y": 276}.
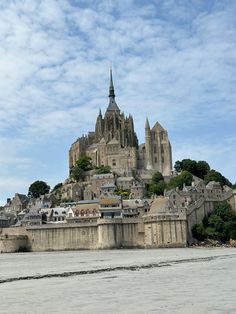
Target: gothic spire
{"x": 111, "y": 88}
{"x": 112, "y": 103}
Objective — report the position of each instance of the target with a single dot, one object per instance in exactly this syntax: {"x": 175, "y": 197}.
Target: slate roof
{"x": 112, "y": 105}
{"x": 23, "y": 198}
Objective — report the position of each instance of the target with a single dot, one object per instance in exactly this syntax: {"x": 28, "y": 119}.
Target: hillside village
{"x": 121, "y": 182}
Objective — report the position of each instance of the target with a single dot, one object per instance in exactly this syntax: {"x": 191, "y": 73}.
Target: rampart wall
{"x": 13, "y": 243}
{"x": 165, "y": 232}
{"x": 105, "y": 234}
{"x": 160, "y": 231}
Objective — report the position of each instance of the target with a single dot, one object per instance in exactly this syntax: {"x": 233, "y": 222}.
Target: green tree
{"x": 103, "y": 169}
{"x": 199, "y": 232}
{"x": 157, "y": 177}
{"x": 77, "y": 174}
{"x": 224, "y": 211}
{"x": 218, "y": 225}
{"x": 202, "y": 168}
{"x": 38, "y": 188}
{"x": 184, "y": 177}
{"x": 186, "y": 164}
{"x": 190, "y": 166}
{"x": 197, "y": 168}
{"x": 84, "y": 163}
{"x": 178, "y": 166}
{"x": 157, "y": 188}
{"x": 214, "y": 175}
{"x": 123, "y": 192}
{"x": 57, "y": 187}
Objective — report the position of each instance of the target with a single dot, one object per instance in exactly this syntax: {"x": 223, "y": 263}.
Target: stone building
{"x": 16, "y": 204}
{"x": 114, "y": 143}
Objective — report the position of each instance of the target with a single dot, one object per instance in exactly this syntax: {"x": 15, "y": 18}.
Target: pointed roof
{"x": 147, "y": 125}
{"x": 112, "y": 103}
{"x": 111, "y": 88}
{"x": 158, "y": 127}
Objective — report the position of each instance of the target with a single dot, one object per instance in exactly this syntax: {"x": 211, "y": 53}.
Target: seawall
{"x": 103, "y": 234}
{"x": 13, "y": 243}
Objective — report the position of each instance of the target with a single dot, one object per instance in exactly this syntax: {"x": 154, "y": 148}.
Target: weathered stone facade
{"x": 114, "y": 143}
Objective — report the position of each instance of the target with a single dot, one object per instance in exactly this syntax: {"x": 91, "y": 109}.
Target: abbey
{"x": 114, "y": 143}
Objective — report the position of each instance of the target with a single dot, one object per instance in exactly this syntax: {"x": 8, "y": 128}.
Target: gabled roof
{"x": 158, "y": 127}
{"x": 22, "y": 197}
{"x": 112, "y": 105}
{"x": 160, "y": 205}
{"x": 3, "y": 216}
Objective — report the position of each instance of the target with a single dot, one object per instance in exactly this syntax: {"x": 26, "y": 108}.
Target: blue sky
{"x": 174, "y": 61}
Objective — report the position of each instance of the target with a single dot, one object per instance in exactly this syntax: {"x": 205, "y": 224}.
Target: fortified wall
{"x": 105, "y": 234}
{"x": 163, "y": 226}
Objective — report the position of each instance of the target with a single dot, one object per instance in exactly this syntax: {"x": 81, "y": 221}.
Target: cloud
{"x": 172, "y": 61}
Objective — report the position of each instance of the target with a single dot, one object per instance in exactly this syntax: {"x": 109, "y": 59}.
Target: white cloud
{"x": 173, "y": 62}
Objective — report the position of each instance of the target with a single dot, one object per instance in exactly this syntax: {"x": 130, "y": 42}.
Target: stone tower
{"x": 148, "y": 146}
{"x": 115, "y": 125}
{"x": 158, "y": 149}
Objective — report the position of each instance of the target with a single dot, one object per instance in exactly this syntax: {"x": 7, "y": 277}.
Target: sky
{"x": 173, "y": 61}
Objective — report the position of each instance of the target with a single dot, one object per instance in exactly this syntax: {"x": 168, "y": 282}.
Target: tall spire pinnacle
{"x": 111, "y": 88}
{"x": 147, "y": 125}
{"x": 112, "y": 103}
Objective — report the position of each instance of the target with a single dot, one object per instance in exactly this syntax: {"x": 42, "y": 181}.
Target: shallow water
{"x": 196, "y": 280}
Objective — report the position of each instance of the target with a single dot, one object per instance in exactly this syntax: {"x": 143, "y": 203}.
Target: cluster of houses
{"x": 77, "y": 202}
{"x": 80, "y": 202}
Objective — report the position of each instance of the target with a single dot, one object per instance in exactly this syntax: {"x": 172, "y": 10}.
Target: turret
{"x": 99, "y": 127}
{"x": 148, "y": 146}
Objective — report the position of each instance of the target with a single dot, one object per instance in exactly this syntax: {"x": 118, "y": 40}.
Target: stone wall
{"x": 13, "y": 243}
{"x": 63, "y": 237}
{"x": 119, "y": 233}
{"x": 165, "y": 232}
{"x": 105, "y": 234}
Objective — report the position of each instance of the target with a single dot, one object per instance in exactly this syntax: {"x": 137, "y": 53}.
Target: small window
{"x": 113, "y": 162}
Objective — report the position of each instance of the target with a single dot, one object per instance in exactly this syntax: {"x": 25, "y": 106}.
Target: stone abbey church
{"x": 114, "y": 143}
